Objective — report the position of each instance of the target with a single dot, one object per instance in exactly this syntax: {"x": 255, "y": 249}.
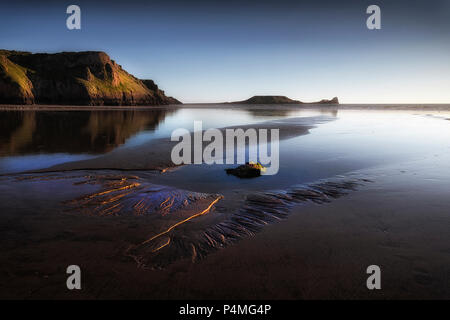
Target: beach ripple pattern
{"x": 184, "y": 224}
{"x": 221, "y": 230}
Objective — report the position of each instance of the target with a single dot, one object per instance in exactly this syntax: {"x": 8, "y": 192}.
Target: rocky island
{"x": 282, "y": 100}
{"x": 73, "y": 78}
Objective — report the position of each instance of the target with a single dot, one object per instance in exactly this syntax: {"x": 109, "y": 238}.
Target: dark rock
{"x": 282, "y": 100}
{"x": 335, "y": 100}
{"x": 248, "y": 170}
{"x": 269, "y": 100}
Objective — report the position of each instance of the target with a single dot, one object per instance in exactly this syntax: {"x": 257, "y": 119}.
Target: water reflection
{"x": 289, "y": 111}
{"x": 31, "y": 132}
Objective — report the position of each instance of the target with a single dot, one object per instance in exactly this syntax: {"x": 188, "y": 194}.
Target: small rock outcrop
{"x": 248, "y": 170}
{"x": 73, "y": 78}
{"x": 335, "y": 100}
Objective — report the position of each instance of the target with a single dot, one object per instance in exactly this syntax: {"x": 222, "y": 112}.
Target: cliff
{"x": 283, "y": 100}
{"x": 335, "y": 100}
{"x": 73, "y": 78}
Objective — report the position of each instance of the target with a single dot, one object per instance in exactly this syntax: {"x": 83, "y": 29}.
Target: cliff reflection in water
{"x": 31, "y": 132}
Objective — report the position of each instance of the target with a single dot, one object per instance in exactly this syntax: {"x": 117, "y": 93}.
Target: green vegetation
{"x": 15, "y": 74}
{"x": 125, "y": 83}
{"x": 87, "y": 78}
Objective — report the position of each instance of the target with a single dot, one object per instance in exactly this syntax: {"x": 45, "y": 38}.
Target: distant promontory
{"x": 282, "y": 100}
{"x": 73, "y": 78}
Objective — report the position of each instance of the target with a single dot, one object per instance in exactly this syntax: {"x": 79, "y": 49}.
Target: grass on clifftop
{"x": 16, "y": 74}
{"x": 126, "y": 83}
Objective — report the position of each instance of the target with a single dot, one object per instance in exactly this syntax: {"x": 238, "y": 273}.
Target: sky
{"x": 216, "y": 51}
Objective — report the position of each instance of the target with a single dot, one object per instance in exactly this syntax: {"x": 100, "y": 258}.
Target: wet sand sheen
{"x": 322, "y": 252}
{"x": 319, "y": 252}
{"x": 176, "y": 228}
{"x": 155, "y": 155}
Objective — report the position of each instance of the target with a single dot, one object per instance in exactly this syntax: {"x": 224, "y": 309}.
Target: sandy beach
{"x": 320, "y": 252}
{"x": 135, "y": 228}
{"x": 225, "y": 159}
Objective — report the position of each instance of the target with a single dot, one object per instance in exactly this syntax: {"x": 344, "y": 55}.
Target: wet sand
{"x": 155, "y": 155}
{"x": 398, "y": 221}
{"x": 320, "y": 252}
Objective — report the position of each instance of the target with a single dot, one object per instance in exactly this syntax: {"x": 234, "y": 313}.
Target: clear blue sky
{"x": 211, "y": 51}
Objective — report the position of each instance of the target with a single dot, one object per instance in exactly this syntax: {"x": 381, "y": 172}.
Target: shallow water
{"x": 357, "y": 137}
{"x": 355, "y": 140}
{"x": 350, "y": 149}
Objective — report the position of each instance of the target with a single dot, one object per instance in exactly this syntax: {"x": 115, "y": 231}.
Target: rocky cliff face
{"x": 75, "y": 78}
{"x": 283, "y": 100}
{"x": 269, "y": 100}
{"x": 335, "y": 100}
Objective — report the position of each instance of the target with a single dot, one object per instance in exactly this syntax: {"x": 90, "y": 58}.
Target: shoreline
{"x": 342, "y": 106}
{"x": 38, "y": 107}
